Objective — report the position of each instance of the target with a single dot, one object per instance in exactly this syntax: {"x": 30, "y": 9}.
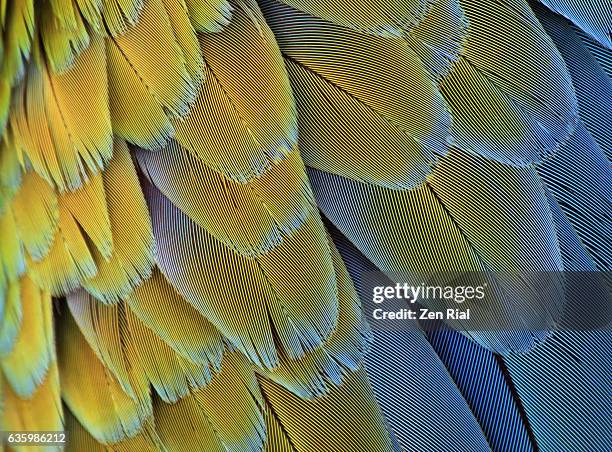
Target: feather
{"x": 440, "y": 37}
{"x": 80, "y": 439}
{"x": 465, "y": 383}
{"x": 36, "y": 212}
{"x": 90, "y": 10}
{"x": 186, "y": 331}
{"x": 88, "y": 207}
{"x": 565, "y": 381}
{"x": 418, "y": 396}
{"x": 250, "y": 218}
{"x": 133, "y": 353}
{"x": 245, "y": 90}
{"x": 24, "y": 414}
{"x": 592, "y": 85}
{"x": 513, "y": 116}
{"x": 265, "y": 286}
{"x": 104, "y": 329}
{"x": 599, "y": 52}
{"x": 149, "y": 76}
{"x": 18, "y": 27}
{"x": 169, "y": 373}
{"x": 594, "y": 17}
{"x": 68, "y": 262}
{"x": 101, "y": 406}
{"x": 586, "y": 203}
{"x": 79, "y": 233}
{"x": 120, "y": 15}
{"x": 62, "y": 133}
{"x": 202, "y": 303}
{"x": 10, "y": 169}
{"x": 209, "y": 15}
{"x": 12, "y": 316}
{"x": 387, "y": 19}
{"x": 133, "y": 250}
{"x": 464, "y": 184}
{"x": 5, "y": 100}
{"x": 481, "y": 381}
{"x": 11, "y": 251}
{"x": 328, "y": 423}
{"x": 213, "y": 424}
{"x": 320, "y": 370}
{"x": 186, "y": 38}
{"x": 34, "y": 340}
{"x": 63, "y": 40}
{"x": 442, "y": 217}
{"x": 355, "y": 117}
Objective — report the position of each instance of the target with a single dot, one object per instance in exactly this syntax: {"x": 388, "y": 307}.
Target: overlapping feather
{"x": 151, "y": 178}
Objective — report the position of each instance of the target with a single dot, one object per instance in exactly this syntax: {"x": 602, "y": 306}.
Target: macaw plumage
{"x": 192, "y": 190}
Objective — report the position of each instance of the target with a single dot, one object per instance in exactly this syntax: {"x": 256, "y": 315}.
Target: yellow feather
{"x": 209, "y": 15}
{"x": 200, "y": 267}
{"x": 104, "y": 329}
{"x": 88, "y": 208}
{"x": 242, "y": 121}
{"x": 155, "y": 56}
{"x": 196, "y": 435}
{"x": 62, "y": 122}
{"x": 359, "y": 119}
{"x": 18, "y": 33}
{"x": 133, "y": 245}
{"x": 69, "y": 259}
{"x": 81, "y": 440}
{"x": 40, "y": 412}
{"x": 120, "y": 15}
{"x": 10, "y": 168}
{"x": 63, "y": 42}
{"x": 439, "y": 38}
{"x": 12, "y": 316}
{"x": 36, "y": 211}
{"x": 136, "y": 114}
{"x": 216, "y": 424}
{"x": 186, "y": 331}
{"x": 11, "y": 254}
{"x": 28, "y": 362}
{"x": 348, "y": 418}
{"x": 101, "y": 406}
{"x": 186, "y": 38}
{"x": 170, "y": 374}
{"x": 318, "y": 371}
{"x": 250, "y": 218}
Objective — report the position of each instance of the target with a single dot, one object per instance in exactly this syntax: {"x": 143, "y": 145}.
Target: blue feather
{"x": 592, "y": 85}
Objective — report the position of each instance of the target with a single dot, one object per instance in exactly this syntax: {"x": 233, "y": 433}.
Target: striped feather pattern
{"x": 388, "y": 19}
{"x": 246, "y": 217}
{"x": 513, "y": 116}
{"x": 344, "y": 94}
{"x": 595, "y": 18}
{"x": 255, "y": 105}
{"x": 299, "y": 326}
{"x": 457, "y": 243}
{"x": 592, "y": 85}
{"x": 191, "y": 190}
{"x": 474, "y": 386}
{"x": 599, "y": 52}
